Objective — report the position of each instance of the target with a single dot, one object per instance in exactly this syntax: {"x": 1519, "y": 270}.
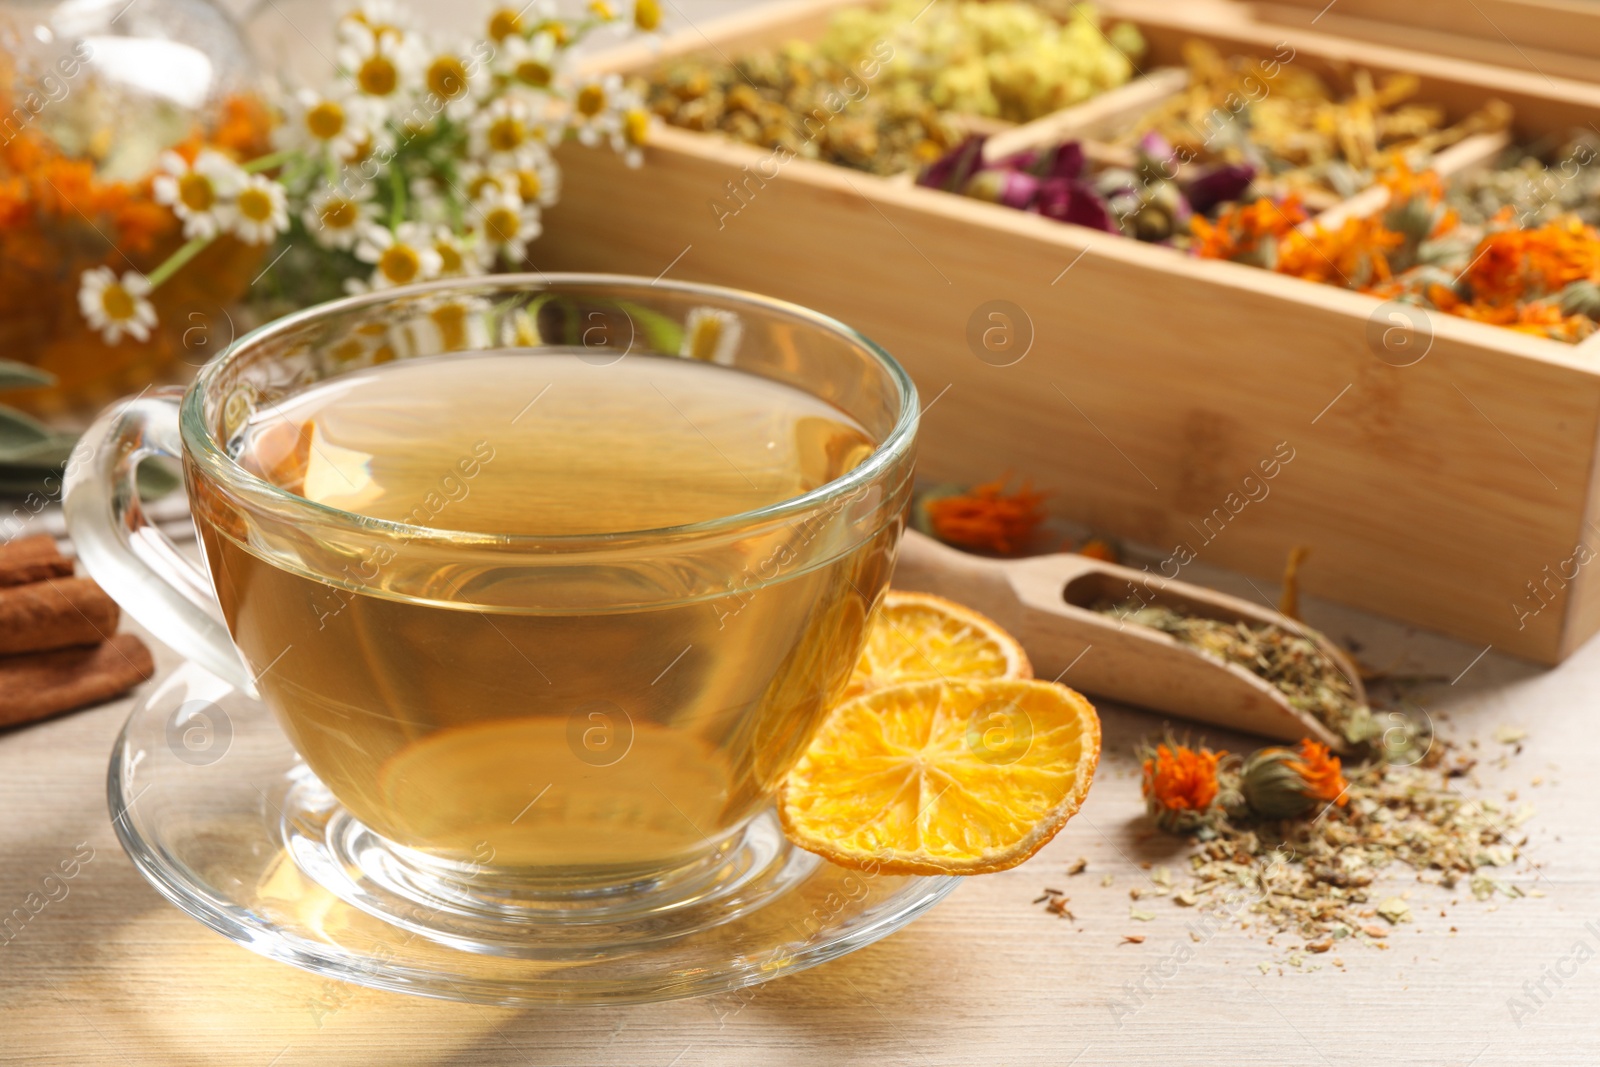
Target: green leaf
{"x": 21, "y": 431}
{"x": 14, "y": 375}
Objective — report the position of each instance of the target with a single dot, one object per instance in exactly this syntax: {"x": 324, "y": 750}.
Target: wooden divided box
{"x": 1146, "y": 390}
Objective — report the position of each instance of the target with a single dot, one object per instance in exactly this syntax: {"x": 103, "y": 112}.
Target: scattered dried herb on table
{"x": 1310, "y": 680}
{"x": 1315, "y": 873}
{"x": 882, "y": 90}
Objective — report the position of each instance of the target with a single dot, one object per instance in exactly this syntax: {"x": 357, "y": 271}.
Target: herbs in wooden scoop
{"x": 1290, "y": 662}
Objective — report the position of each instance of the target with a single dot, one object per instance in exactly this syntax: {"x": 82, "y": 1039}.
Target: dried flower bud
{"x": 1280, "y": 783}
{"x": 1581, "y": 298}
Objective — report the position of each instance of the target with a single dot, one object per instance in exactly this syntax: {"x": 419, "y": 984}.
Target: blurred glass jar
{"x": 92, "y": 94}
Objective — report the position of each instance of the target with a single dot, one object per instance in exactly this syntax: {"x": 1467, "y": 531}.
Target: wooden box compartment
{"x": 1559, "y": 38}
{"x": 1205, "y": 409}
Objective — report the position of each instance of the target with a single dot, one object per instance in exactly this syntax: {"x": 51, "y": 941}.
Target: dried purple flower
{"x": 1218, "y": 185}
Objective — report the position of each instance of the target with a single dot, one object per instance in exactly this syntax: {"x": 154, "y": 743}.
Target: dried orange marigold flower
{"x": 987, "y": 517}
{"x": 1323, "y": 774}
{"x": 1179, "y": 778}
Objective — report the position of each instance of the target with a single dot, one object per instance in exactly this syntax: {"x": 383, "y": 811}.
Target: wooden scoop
{"x": 1045, "y": 600}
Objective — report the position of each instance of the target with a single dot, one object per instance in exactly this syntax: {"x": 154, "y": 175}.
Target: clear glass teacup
{"x": 514, "y": 701}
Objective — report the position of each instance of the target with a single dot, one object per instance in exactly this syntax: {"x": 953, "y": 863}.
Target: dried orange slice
{"x": 959, "y": 777}
{"x": 917, "y": 637}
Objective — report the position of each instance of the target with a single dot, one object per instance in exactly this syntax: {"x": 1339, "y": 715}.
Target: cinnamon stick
{"x": 47, "y": 683}
{"x": 32, "y": 559}
{"x": 54, "y": 614}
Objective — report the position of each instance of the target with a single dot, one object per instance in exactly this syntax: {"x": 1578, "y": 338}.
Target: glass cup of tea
{"x": 548, "y": 579}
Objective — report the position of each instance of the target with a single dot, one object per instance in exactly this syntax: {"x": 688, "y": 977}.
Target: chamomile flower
{"x": 259, "y": 211}
{"x": 596, "y": 108}
{"x": 365, "y": 345}
{"x": 630, "y": 137}
{"x": 476, "y": 180}
{"x": 400, "y": 256}
{"x": 513, "y": 20}
{"x": 116, "y": 306}
{"x": 507, "y": 133}
{"x": 534, "y": 64}
{"x": 337, "y": 217}
{"x": 646, "y": 16}
{"x": 321, "y": 124}
{"x": 443, "y": 324}
{"x": 197, "y": 193}
{"x": 601, "y": 10}
{"x": 377, "y": 139}
{"x": 537, "y": 183}
{"x": 711, "y": 335}
{"x": 459, "y": 255}
{"x": 382, "y": 68}
{"x": 384, "y": 18}
{"x": 505, "y": 225}
{"x": 455, "y": 78}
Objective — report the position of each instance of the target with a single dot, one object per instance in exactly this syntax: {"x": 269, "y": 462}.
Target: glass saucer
{"x": 220, "y": 815}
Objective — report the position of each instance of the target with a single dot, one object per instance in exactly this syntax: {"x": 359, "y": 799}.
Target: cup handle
{"x": 129, "y": 556}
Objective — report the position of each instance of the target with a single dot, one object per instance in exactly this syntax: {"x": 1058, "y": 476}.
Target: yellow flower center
{"x": 195, "y": 191}
{"x": 348, "y": 349}
{"x": 325, "y": 121}
{"x": 449, "y": 258}
{"x": 529, "y": 185}
{"x": 507, "y": 134}
{"x": 602, "y": 10}
{"x": 447, "y": 77}
{"x": 255, "y": 205}
{"x": 451, "y": 321}
{"x": 591, "y": 101}
{"x": 477, "y": 186}
{"x": 399, "y": 263}
{"x": 556, "y": 29}
{"x": 504, "y": 23}
{"x": 340, "y": 214}
{"x": 361, "y": 151}
{"x": 533, "y": 73}
{"x": 503, "y": 223}
{"x": 646, "y": 14}
{"x": 117, "y": 302}
{"x": 636, "y": 126}
{"x": 378, "y": 76}
{"x": 703, "y": 341}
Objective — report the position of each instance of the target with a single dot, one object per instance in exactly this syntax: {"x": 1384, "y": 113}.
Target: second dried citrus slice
{"x": 918, "y": 636}
{"x": 959, "y": 777}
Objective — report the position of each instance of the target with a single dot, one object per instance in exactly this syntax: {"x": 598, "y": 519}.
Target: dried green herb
{"x": 1294, "y": 664}
{"x": 886, "y": 90}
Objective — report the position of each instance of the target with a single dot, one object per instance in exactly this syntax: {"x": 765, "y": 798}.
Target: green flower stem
{"x": 397, "y": 185}
{"x": 176, "y": 261}
{"x": 267, "y": 162}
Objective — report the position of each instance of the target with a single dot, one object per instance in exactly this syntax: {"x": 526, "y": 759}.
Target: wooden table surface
{"x": 112, "y": 974}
